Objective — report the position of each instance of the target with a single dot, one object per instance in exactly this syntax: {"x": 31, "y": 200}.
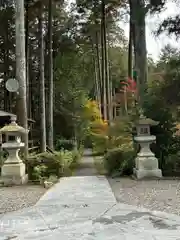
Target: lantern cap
{"x": 146, "y": 121}
{"x": 143, "y": 120}
{"x": 13, "y": 127}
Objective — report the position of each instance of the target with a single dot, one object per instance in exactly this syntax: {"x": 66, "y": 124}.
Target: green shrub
{"x": 76, "y": 154}
{"x": 66, "y": 160}
{"x": 171, "y": 166}
{"x": 52, "y": 161}
{"x": 65, "y": 144}
{"x": 88, "y": 141}
{"x": 44, "y": 165}
{"x": 39, "y": 172}
{"x": 100, "y": 143}
{"x": 155, "y": 107}
{"x": 120, "y": 161}
{"x": 3, "y": 156}
{"x": 80, "y": 150}
{"x": 117, "y": 133}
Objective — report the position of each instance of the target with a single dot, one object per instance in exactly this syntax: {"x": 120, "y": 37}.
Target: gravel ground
{"x": 17, "y": 197}
{"x": 160, "y": 195}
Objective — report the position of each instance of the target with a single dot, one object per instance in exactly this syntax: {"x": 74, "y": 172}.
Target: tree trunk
{"x": 50, "y": 76}
{"x": 109, "y": 82}
{"x": 27, "y": 58}
{"x": 31, "y": 87}
{"x": 106, "y": 63}
{"x": 97, "y": 51}
{"x": 103, "y": 71}
{"x": 97, "y": 42}
{"x": 140, "y": 52}
{"x": 21, "y": 68}
{"x": 7, "y": 94}
{"x": 130, "y": 56}
{"x": 130, "y": 47}
{"x": 96, "y": 78}
{"x": 42, "y": 82}
{"x": 6, "y": 72}
{"x": 98, "y": 69}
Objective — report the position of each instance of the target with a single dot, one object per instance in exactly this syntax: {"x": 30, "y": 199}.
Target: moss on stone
{"x": 13, "y": 128}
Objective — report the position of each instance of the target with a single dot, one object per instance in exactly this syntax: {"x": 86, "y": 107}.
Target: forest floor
{"x": 158, "y": 195}
{"x": 18, "y": 197}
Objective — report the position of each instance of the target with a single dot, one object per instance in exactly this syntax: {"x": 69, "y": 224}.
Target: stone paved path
{"x": 84, "y": 208}
{"x": 86, "y": 167}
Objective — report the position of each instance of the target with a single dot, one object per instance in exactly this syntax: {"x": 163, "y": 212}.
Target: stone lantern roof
{"x": 147, "y": 121}
{"x": 13, "y": 127}
{"x": 5, "y": 114}
{"x": 10, "y": 128}
{"x": 143, "y": 120}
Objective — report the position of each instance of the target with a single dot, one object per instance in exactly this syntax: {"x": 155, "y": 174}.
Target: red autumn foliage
{"x": 130, "y": 86}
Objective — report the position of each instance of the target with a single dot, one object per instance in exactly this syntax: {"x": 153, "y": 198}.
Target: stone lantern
{"x": 146, "y": 164}
{"x": 13, "y": 170}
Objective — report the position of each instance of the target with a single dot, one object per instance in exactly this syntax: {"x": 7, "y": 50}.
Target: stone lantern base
{"x": 147, "y": 167}
{"x": 146, "y": 164}
{"x": 13, "y": 174}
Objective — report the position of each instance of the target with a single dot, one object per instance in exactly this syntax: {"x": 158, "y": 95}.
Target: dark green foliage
{"x": 3, "y": 156}
{"x": 157, "y": 5}
{"x": 44, "y": 165}
{"x": 72, "y": 87}
{"x": 65, "y": 144}
{"x": 76, "y": 154}
{"x": 172, "y": 165}
{"x": 88, "y": 142}
{"x": 171, "y": 25}
{"x": 161, "y": 104}
{"x": 166, "y": 142}
{"x": 73, "y": 61}
{"x": 51, "y": 161}
{"x": 170, "y": 89}
{"x": 119, "y": 162}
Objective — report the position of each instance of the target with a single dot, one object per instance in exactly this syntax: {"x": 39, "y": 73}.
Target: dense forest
{"x": 69, "y": 56}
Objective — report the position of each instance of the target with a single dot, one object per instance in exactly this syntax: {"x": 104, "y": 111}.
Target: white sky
{"x": 155, "y": 44}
